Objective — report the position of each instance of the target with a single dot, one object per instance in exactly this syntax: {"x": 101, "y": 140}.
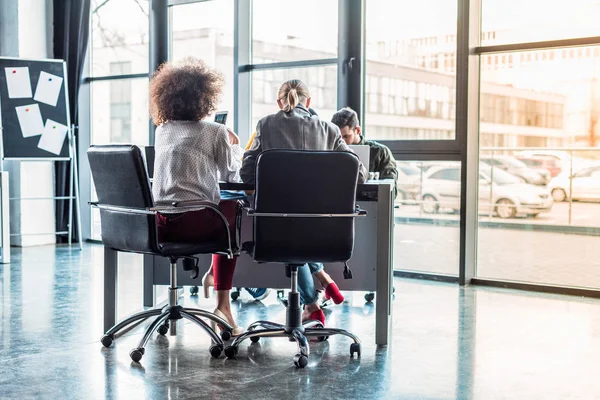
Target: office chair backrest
{"x": 305, "y": 182}
{"x": 150, "y": 155}
{"x": 121, "y": 180}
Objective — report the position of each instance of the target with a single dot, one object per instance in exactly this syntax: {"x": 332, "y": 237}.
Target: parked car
{"x": 585, "y": 185}
{"x": 566, "y": 159}
{"x": 518, "y": 168}
{"x": 541, "y": 163}
{"x": 408, "y": 183}
{"x": 507, "y": 196}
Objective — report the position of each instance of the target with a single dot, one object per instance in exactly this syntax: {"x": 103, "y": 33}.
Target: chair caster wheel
{"x": 194, "y": 290}
{"x": 136, "y": 354}
{"x": 215, "y": 350}
{"x": 231, "y": 351}
{"x": 355, "y": 348}
{"x": 369, "y": 297}
{"x": 235, "y": 295}
{"x": 255, "y": 339}
{"x": 107, "y": 340}
{"x": 225, "y": 335}
{"x": 300, "y": 360}
{"x": 163, "y": 329}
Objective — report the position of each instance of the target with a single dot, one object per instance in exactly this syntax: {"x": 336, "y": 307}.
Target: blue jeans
{"x": 306, "y": 284}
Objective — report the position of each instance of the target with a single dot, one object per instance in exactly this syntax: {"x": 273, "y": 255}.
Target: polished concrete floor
{"x": 448, "y": 343}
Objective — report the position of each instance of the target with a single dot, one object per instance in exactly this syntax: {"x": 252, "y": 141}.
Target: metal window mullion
{"x": 247, "y": 67}
{"x": 159, "y": 44}
{"x": 467, "y": 131}
{"x": 242, "y": 87}
{"x": 350, "y": 61}
{"x": 116, "y": 77}
{"x": 542, "y": 45}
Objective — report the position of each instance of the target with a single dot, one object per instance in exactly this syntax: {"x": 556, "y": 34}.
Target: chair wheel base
{"x": 225, "y": 335}
{"x": 163, "y": 329}
{"x": 255, "y": 339}
{"x": 369, "y": 297}
{"x": 194, "y": 290}
{"x": 300, "y": 360}
{"x": 355, "y": 348}
{"x": 231, "y": 351}
{"x": 136, "y": 354}
{"x": 107, "y": 340}
{"x": 216, "y": 350}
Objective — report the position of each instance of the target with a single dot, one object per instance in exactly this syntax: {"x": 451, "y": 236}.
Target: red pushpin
{"x": 14, "y": 71}
{"x": 27, "y": 109}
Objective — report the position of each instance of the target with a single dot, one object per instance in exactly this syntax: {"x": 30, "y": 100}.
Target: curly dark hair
{"x": 186, "y": 91}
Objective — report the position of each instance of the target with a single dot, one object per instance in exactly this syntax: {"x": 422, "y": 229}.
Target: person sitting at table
{"x": 279, "y": 131}
{"x": 380, "y": 156}
{"x": 191, "y": 155}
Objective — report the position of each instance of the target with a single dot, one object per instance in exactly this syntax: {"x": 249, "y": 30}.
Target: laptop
{"x": 363, "y": 152}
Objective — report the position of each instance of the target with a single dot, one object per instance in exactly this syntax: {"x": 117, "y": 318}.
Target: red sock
{"x": 318, "y": 315}
{"x": 333, "y": 292}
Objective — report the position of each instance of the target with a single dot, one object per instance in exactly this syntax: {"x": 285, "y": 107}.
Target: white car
{"x": 506, "y": 195}
{"x": 585, "y": 185}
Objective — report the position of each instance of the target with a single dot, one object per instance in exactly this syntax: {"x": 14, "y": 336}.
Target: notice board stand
{"x": 35, "y": 125}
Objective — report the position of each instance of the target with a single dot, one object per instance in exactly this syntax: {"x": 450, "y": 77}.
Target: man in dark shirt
{"x": 381, "y": 158}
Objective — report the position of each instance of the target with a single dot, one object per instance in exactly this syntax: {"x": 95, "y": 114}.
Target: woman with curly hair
{"x": 192, "y": 155}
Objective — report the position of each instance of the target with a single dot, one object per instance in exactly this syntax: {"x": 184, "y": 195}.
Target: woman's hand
{"x": 233, "y": 138}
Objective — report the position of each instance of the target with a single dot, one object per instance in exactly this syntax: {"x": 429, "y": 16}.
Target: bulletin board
{"x": 34, "y": 109}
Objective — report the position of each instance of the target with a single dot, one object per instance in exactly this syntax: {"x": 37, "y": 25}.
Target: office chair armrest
{"x": 253, "y": 213}
{"x": 195, "y": 203}
{"x": 126, "y": 210}
{"x": 360, "y": 212}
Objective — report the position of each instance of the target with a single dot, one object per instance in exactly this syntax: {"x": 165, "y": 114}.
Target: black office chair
{"x": 304, "y": 212}
{"x": 128, "y": 222}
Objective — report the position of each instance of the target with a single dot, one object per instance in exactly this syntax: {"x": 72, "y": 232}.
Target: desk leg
{"x": 149, "y": 289}
{"x": 385, "y": 237}
{"x": 110, "y": 288}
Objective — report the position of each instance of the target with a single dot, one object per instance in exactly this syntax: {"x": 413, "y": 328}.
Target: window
{"x": 539, "y": 20}
{"x": 303, "y": 32}
{"x": 522, "y": 236}
{"x": 428, "y": 218}
{"x": 205, "y": 30}
{"x": 398, "y": 25}
{"x": 119, "y": 34}
{"x": 120, "y": 103}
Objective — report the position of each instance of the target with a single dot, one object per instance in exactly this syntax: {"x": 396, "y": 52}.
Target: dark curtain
{"x": 71, "y": 34}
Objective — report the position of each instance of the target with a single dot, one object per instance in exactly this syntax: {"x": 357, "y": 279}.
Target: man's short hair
{"x": 345, "y": 117}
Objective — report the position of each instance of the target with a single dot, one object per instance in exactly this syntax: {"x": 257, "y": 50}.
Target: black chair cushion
{"x": 170, "y": 249}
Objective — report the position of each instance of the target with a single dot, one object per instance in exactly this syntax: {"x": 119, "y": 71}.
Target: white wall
{"x": 36, "y": 178}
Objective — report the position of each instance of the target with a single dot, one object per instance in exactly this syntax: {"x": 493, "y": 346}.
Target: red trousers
{"x": 202, "y": 225}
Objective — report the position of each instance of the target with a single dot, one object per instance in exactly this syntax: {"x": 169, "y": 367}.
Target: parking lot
{"x": 424, "y": 244}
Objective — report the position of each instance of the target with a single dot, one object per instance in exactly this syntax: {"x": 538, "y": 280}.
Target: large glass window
{"x": 516, "y": 21}
{"x": 118, "y": 47}
{"x": 410, "y": 69}
{"x": 538, "y": 163}
{"x": 205, "y": 30}
{"x": 119, "y": 34}
{"x": 284, "y": 31}
{"x": 427, "y": 218}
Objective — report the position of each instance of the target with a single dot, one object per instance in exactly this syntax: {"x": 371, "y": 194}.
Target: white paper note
{"x": 53, "y": 137}
{"x": 30, "y": 119}
{"x": 48, "y": 89}
{"x": 18, "y": 82}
